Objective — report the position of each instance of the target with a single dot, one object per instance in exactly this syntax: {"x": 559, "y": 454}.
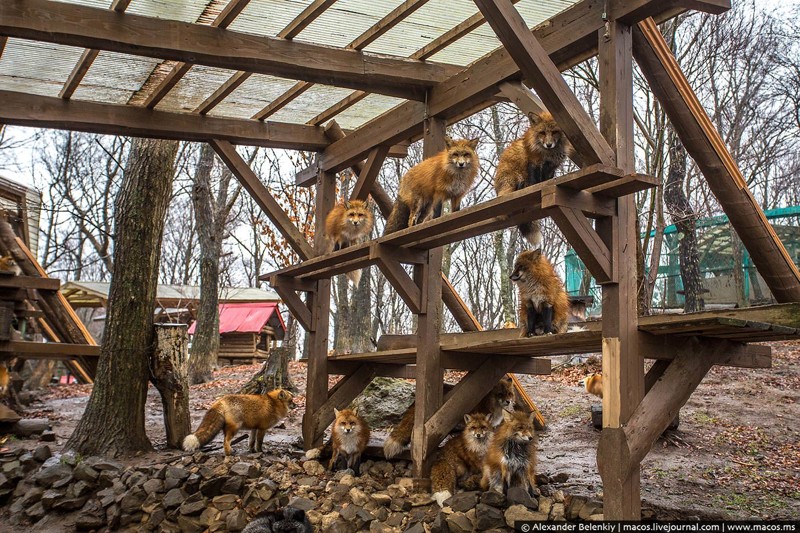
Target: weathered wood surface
{"x": 169, "y": 372}
{"x": 102, "y": 29}
{"x": 29, "y": 282}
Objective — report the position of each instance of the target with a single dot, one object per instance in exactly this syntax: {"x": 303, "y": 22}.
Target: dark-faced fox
{"x": 543, "y": 302}
{"x": 531, "y": 159}
{"x": 241, "y": 411}
{"x": 511, "y": 457}
{"x": 447, "y": 175}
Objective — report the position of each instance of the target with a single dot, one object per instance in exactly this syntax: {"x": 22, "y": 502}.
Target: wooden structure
{"x": 247, "y": 331}
{"x": 435, "y": 88}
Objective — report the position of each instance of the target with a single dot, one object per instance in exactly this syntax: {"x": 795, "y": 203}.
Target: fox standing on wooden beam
{"x": 448, "y": 175}
{"x": 531, "y": 159}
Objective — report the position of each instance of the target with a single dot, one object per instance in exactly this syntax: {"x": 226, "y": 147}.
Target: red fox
{"x": 349, "y": 223}
{"x": 460, "y": 457}
{"x": 350, "y": 435}
{"x": 235, "y": 411}
{"x": 533, "y": 158}
{"x": 511, "y": 457}
{"x": 499, "y": 398}
{"x": 594, "y": 384}
{"x": 5, "y": 379}
{"x": 447, "y": 175}
{"x": 8, "y": 265}
{"x": 543, "y": 301}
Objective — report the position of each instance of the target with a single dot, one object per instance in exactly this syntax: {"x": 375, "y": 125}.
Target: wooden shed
{"x": 248, "y": 331}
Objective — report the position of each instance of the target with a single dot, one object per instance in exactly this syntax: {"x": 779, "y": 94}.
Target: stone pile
{"x": 199, "y": 492}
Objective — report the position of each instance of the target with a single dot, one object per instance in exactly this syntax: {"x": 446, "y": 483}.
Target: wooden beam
{"x": 245, "y": 175}
{"x": 308, "y": 15}
{"x": 86, "y": 60}
{"x": 569, "y": 38}
{"x": 705, "y": 145}
{"x": 283, "y": 100}
{"x": 47, "y": 112}
{"x": 369, "y": 173}
{"x": 46, "y": 350}
{"x": 75, "y": 25}
{"x": 222, "y": 92}
{"x": 587, "y": 243}
{"x": 623, "y": 365}
{"x": 541, "y": 72}
{"x": 296, "y": 305}
{"x": 399, "y": 278}
{"x": 29, "y": 282}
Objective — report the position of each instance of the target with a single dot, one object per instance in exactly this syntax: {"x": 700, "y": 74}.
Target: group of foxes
{"x": 497, "y": 444}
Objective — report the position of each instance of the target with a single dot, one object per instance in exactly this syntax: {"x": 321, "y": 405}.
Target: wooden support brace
{"x": 388, "y": 260}
{"x": 591, "y": 204}
{"x": 340, "y": 396}
{"x": 587, "y": 243}
{"x": 369, "y": 173}
{"x": 540, "y": 71}
{"x": 295, "y": 304}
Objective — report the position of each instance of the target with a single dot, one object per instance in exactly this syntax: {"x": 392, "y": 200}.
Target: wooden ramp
{"x": 35, "y": 295}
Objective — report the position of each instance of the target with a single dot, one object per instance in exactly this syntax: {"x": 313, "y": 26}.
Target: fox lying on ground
{"x": 460, "y": 457}
{"x": 543, "y": 302}
{"x": 447, "y": 175}
{"x": 236, "y": 411}
{"x": 511, "y": 457}
{"x": 531, "y": 159}
{"x": 349, "y": 222}
{"x": 350, "y": 436}
{"x": 499, "y": 398}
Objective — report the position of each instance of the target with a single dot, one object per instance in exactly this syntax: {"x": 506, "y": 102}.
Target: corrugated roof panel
{"x": 345, "y": 20}
{"x": 36, "y": 68}
{"x": 367, "y": 109}
{"x": 114, "y": 78}
{"x": 310, "y": 103}
{"x": 184, "y": 10}
{"x": 197, "y": 85}
{"x": 252, "y": 96}
{"x": 268, "y": 17}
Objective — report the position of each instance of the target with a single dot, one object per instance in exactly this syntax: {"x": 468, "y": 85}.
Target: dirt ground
{"x": 736, "y": 453}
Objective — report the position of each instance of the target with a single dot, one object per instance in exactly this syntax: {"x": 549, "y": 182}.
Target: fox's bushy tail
{"x": 212, "y": 424}
{"x": 398, "y": 219}
{"x": 443, "y": 481}
{"x": 400, "y": 437}
{"x": 354, "y": 276}
{"x": 532, "y": 232}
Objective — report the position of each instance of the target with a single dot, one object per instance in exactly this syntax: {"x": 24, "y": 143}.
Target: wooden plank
{"x": 29, "y": 282}
{"x": 630, "y": 184}
{"x": 308, "y": 15}
{"x": 544, "y": 76}
{"x": 76, "y": 25}
{"x": 44, "y": 111}
{"x": 55, "y": 349}
{"x": 569, "y": 37}
{"x": 707, "y": 148}
{"x": 369, "y": 173}
{"x": 343, "y": 104}
{"x": 623, "y": 365}
{"x": 586, "y": 242}
{"x": 263, "y": 198}
{"x": 398, "y": 278}
{"x": 296, "y": 306}
{"x": 165, "y": 86}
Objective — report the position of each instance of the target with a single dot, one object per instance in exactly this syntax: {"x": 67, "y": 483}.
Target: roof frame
{"x": 75, "y": 25}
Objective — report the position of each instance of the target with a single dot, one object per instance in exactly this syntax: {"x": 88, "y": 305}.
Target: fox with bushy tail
{"x": 448, "y": 175}
{"x": 233, "y": 412}
{"x": 531, "y": 159}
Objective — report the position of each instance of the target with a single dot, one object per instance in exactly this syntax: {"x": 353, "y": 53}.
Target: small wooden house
{"x": 247, "y": 331}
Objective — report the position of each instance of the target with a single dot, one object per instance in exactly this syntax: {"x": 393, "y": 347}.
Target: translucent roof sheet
{"x": 42, "y": 68}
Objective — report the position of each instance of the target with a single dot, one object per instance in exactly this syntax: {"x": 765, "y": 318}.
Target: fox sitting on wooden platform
{"x": 447, "y": 175}
{"x": 233, "y": 412}
{"x": 511, "y": 457}
{"x": 349, "y": 222}
{"x": 543, "y": 302}
{"x": 461, "y": 457}
{"x": 499, "y": 398}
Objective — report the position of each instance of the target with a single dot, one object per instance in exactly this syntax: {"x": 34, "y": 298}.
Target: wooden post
{"x": 320, "y": 305}
{"x": 169, "y": 372}
{"x": 623, "y": 367}
{"x": 430, "y": 375}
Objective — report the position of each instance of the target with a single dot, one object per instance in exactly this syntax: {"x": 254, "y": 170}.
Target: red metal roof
{"x": 247, "y": 317}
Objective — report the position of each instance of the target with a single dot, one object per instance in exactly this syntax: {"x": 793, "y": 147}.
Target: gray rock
{"x": 36, "y": 511}
{"x": 377, "y": 527}
{"x": 152, "y": 486}
{"x": 176, "y": 472}
{"x": 590, "y": 509}
{"x": 395, "y": 519}
{"x": 50, "y": 497}
{"x": 28, "y": 462}
{"x": 156, "y": 517}
{"x": 84, "y": 472}
{"x": 233, "y": 485}
{"x": 463, "y": 501}
{"x": 174, "y": 498}
{"x": 245, "y": 469}
{"x": 70, "y": 504}
{"x": 46, "y": 476}
{"x": 47, "y": 436}
{"x": 192, "y": 483}
{"x": 557, "y": 512}
{"x": 79, "y": 488}
{"x": 574, "y": 506}
{"x": 518, "y": 495}
{"x": 42, "y": 453}
{"x": 342, "y": 526}
{"x": 384, "y": 401}
{"x": 193, "y": 507}
{"x": 488, "y": 517}
{"x": 92, "y": 516}
{"x": 493, "y": 499}
{"x": 415, "y": 528}
{"x": 304, "y": 504}
{"x": 439, "y": 524}
{"x": 101, "y": 463}
{"x": 190, "y": 524}
{"x": 517, "y": 513}
{"x": 113, "y": 516}
{"x": 236, "y": 520}
{"x": 132, "y": 501}
{"x": 226, "y": 502}
{"x": 211, "y": 487}
{"x": 459, "y": 523}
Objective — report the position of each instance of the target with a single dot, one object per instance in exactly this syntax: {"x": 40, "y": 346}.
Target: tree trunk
{"x": 205, "y": 344}
{"x": 685, "y": 220}
{"x": 41, "y": 375}
{"x": 360, "y": 314}
{"x": 274, "y": 374}
{"x": 501, "y": 251}
{"x": 113, "y": 423}
{"x": 169, "y": 372}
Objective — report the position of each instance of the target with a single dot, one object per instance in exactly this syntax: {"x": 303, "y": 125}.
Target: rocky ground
{"x": 736, "y": 454}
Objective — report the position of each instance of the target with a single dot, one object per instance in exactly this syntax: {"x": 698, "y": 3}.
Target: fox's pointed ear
{"x": 335, "y": 412}
{"x": 534, "y": 118}
{"x": 467, "y": 419}
{"x": 284, "y": 395}
{"x": 347, "y": 204}
{"x": 507, "y": 417}
{"x": 448, "y": 142}
{"x": 473, "y": 143}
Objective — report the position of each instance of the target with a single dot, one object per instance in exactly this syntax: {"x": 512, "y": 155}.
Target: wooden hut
{"x": 193, "y": 70}
{"x": 247, "y": 331}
